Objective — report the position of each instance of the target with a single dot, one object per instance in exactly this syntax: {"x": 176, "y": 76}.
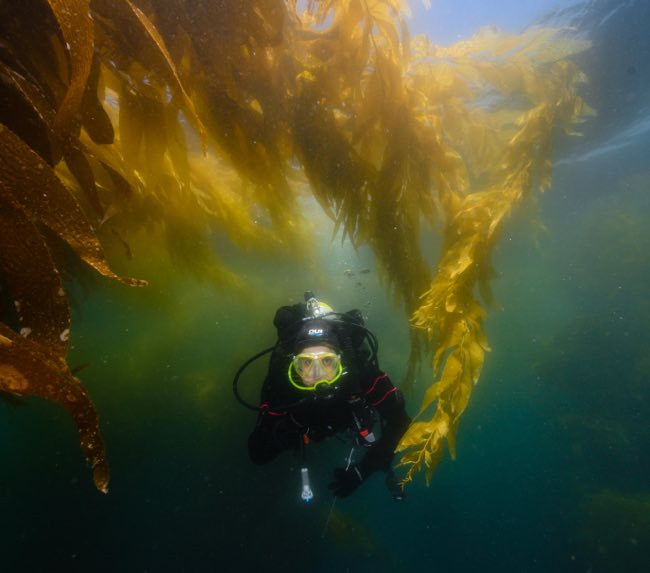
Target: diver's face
{"x": 317, "y": 363}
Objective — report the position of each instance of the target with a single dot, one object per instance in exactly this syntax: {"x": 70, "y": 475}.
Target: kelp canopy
{"x": 180, "y": 118}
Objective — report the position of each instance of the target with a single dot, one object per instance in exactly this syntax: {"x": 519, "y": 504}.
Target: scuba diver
{"x": 324, "y": 380}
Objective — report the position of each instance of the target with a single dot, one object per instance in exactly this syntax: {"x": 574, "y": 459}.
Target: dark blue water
{"x": 553, "y": 451}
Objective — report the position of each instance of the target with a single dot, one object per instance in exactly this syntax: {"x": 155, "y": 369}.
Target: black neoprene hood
{"x": 315, "y": 332}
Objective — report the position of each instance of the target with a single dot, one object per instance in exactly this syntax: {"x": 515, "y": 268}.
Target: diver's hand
{"x": 394, "y": 487}
{"x": 346, "y": 480}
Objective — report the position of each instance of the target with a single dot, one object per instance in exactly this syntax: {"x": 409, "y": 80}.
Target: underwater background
{"x": 553, "y": 450}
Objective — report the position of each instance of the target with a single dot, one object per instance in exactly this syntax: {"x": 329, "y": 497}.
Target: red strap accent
{"x": 364, "y": 432}
{"x": 271, "y": 412}
{"x": 374, "y": 383}
{"x": 305, "y": 439}
{"x": 393, "y": 389}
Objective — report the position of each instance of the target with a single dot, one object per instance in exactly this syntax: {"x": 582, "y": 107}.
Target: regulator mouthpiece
{"x": 306, "y": 494}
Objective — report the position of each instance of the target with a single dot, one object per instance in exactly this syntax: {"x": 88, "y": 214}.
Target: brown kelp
{"x": 32, "y": 360}
{"x": 181, "y": 119}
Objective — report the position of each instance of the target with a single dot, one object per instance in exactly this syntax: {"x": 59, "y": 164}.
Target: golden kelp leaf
{"x": 79, "y": 166}
{"x": 415, "y": 433}
{"x": 450, "y": 302}
{"x": 476, "y": 356}
{"x": 122, "y": 180}
{"x": 384, "y": 14}
{"x": 31, "y": 369}
{"x": 95, "y": 119}
{"x": 31, "y": 185}
{"x": 462, "y": 261}
{"x": 410, "y": 457}
{"x": 143, "y": 137}
{"x": 427, "y": 436}
{"x": 73, "y": 17}
{"x": 217, "y": 188}
{"x": 32, "y": 281}
{"x": 450, "y": 374}
{"x": 153, "y": 33}
{"x": 460, "y": 396}
{"x": 431, "y": 466}
{"x": 35, "y": 126}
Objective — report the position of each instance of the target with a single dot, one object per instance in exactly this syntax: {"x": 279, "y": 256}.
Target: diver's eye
{"x": 305, "y": 362}
{"x": 328, "y": 362}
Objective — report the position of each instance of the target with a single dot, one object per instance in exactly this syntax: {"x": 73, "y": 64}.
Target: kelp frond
{"x": 450, "y": 311}
{"x": 32, "y": 360}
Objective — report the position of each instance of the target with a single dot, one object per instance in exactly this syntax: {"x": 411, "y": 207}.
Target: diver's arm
{"x": 274, "y": 431}
{"x": 273, "y": 434}
{"x": 389, "y": 403}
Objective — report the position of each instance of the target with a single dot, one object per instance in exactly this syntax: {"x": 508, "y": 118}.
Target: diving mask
{"x": 314, "y": 369}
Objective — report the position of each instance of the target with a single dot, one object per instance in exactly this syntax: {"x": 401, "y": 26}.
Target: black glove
{"x": 346, "y": 481}
{"x": 394, "y": 487}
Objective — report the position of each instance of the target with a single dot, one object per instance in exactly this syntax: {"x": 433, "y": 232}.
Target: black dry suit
{"x": 363, "y": 402}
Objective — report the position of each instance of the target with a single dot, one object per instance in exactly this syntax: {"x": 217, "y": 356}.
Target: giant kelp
{"x": 512, "y": 162}
{"x": 32, "y": 361}
{"x": 189, "y": 118}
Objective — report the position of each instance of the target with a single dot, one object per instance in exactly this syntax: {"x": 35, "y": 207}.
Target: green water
{"x": 551, "y": 424}
{"x": 553, "y": 458}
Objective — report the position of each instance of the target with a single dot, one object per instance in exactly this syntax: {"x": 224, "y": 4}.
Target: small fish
{"x": 364, "y": 271}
